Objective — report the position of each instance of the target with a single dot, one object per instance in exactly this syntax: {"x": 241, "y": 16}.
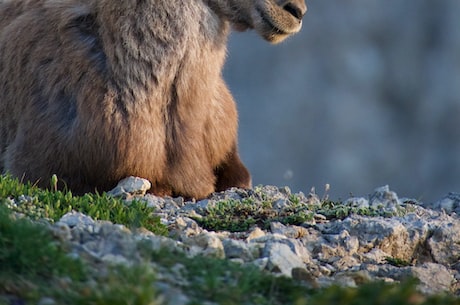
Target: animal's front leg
{"x": 232, "y": 173}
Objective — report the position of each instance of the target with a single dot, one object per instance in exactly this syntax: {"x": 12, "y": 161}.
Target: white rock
{"x": 73, "y": 219}
{"x": 434, "y": 278}
{"x": 46, "y": 301}
{"x": 290, "y": 231}
{"x": 261, "y": 263}
{"x": 375, "y": 256}
{"x": 444, "y": 244}
{"x": 281, "y": 259}
{"x": 131, "y": 185}
{"x": 237, "y": 249}
{"x": 209, "y": 244}
{"x": 255, "y": 233}
{"x": 115, "y": 259}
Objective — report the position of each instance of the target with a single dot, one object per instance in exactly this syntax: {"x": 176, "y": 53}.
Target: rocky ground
{"x": 399, "y": 238}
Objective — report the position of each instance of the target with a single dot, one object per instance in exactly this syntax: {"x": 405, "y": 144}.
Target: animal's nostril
{"x": 294, "y": 10}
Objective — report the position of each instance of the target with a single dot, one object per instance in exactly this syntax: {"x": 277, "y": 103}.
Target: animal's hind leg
{"x": 232, "y": 173}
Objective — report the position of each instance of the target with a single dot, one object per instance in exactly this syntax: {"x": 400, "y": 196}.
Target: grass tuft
{"x": 257, "y": 209}
{"x": 35, "y": 266}
{"x": 37, "y": 203}
{"x": 27, "y": 248}
{"x": 240, "y": 215}
{"x": 224, "y": 282}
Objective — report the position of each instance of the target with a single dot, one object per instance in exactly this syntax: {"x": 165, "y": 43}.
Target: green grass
{"x": 379, "y": 293}
{"x": 397, "y": 262}
{"x": 27, "y": 248}
{"x": 226, "y": 282}
{"x": 37, "y": 203}
{"x": 34, "y": 265}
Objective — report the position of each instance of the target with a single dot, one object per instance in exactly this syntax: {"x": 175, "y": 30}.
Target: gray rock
{"x": 237, "y": 249}
{"x": 46, "y": 301}
{"x": 272, "y": 192}
{"x": 172, "y": 295}
{"x": 155, "y": 201}
{"x": 206, "y": 244}
{"x": 357, "y": 202}
{"x": 269, "y": 237}
{"x": 74, "y": 219}
{"x": 115, "y": 259}
{"x": 112, "y": 242}
{"x": 298, "y": 249}
{"x": 130, "y": 186}
{"x": 444, "y": 244}
{"x": 158, "y": 243}
{"x": 185, "y": 227}
{"x": 450, "y": 204}
{"x": 375, "y": 256}
{"x": 261, "y": 263}
{"x": 290, "y": 231}
{"x": 281, "y": 259}
{"x": 281, "y": 204}
{"x": 434, "y": 278}
{"x": 387, "y": 234}
{"x": 62, "y": 231}
{"x": 301, "y": 274}
{"x": 255, "y": 234}
{"x": 201, "y": 205}
{"x": 384, "y": 198}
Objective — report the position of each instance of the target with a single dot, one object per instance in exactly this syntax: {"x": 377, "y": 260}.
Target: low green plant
{"x": 240, "y": 215}
{"x": 224, "y": 282}
{"x": 397, "y": 262}
{"x": 26, "y": 247}
{"x": 235, "y": 215}
{"x": 38, "y": 203}
{"x": 337, "y": 210}
{"x": 34, "y": 266}
{"x": 134, "y": 285}
{"x": 379, "y": 293}
{"x": 258, "y": 209}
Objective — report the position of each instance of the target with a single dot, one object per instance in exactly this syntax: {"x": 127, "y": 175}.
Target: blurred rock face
{"x": 367, "y": 94}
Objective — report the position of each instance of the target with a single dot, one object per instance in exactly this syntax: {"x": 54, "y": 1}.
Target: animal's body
{"x": 97, "y": 90}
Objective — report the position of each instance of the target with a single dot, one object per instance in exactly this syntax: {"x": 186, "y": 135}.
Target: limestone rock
{"x": 290, "y": 231}
{"x": 444, "y": 244}
{"x": 206, "y": 243}
{"x": 237, "y": 249}
{"x": 450, "y": 204}
{"x": 281, "y": 259}
{"x": 255, "y": 234}
{"x": 73, "y": 219}
{"x": 130, "y": 186}
{"x": 434, "y": 278}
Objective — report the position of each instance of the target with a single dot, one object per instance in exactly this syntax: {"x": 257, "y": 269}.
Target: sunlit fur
{"x": 97, "y": 90}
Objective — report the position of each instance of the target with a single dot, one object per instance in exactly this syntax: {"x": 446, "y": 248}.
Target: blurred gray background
{"x": 368, "y": 94}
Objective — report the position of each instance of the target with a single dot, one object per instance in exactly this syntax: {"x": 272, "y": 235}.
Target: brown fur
{"x": 97, "y": 90}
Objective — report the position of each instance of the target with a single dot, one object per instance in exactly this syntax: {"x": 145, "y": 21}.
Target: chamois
{"x": 97, "y": 90}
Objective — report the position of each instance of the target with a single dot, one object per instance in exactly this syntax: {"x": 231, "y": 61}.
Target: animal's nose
{"x": 296, "y": 8}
